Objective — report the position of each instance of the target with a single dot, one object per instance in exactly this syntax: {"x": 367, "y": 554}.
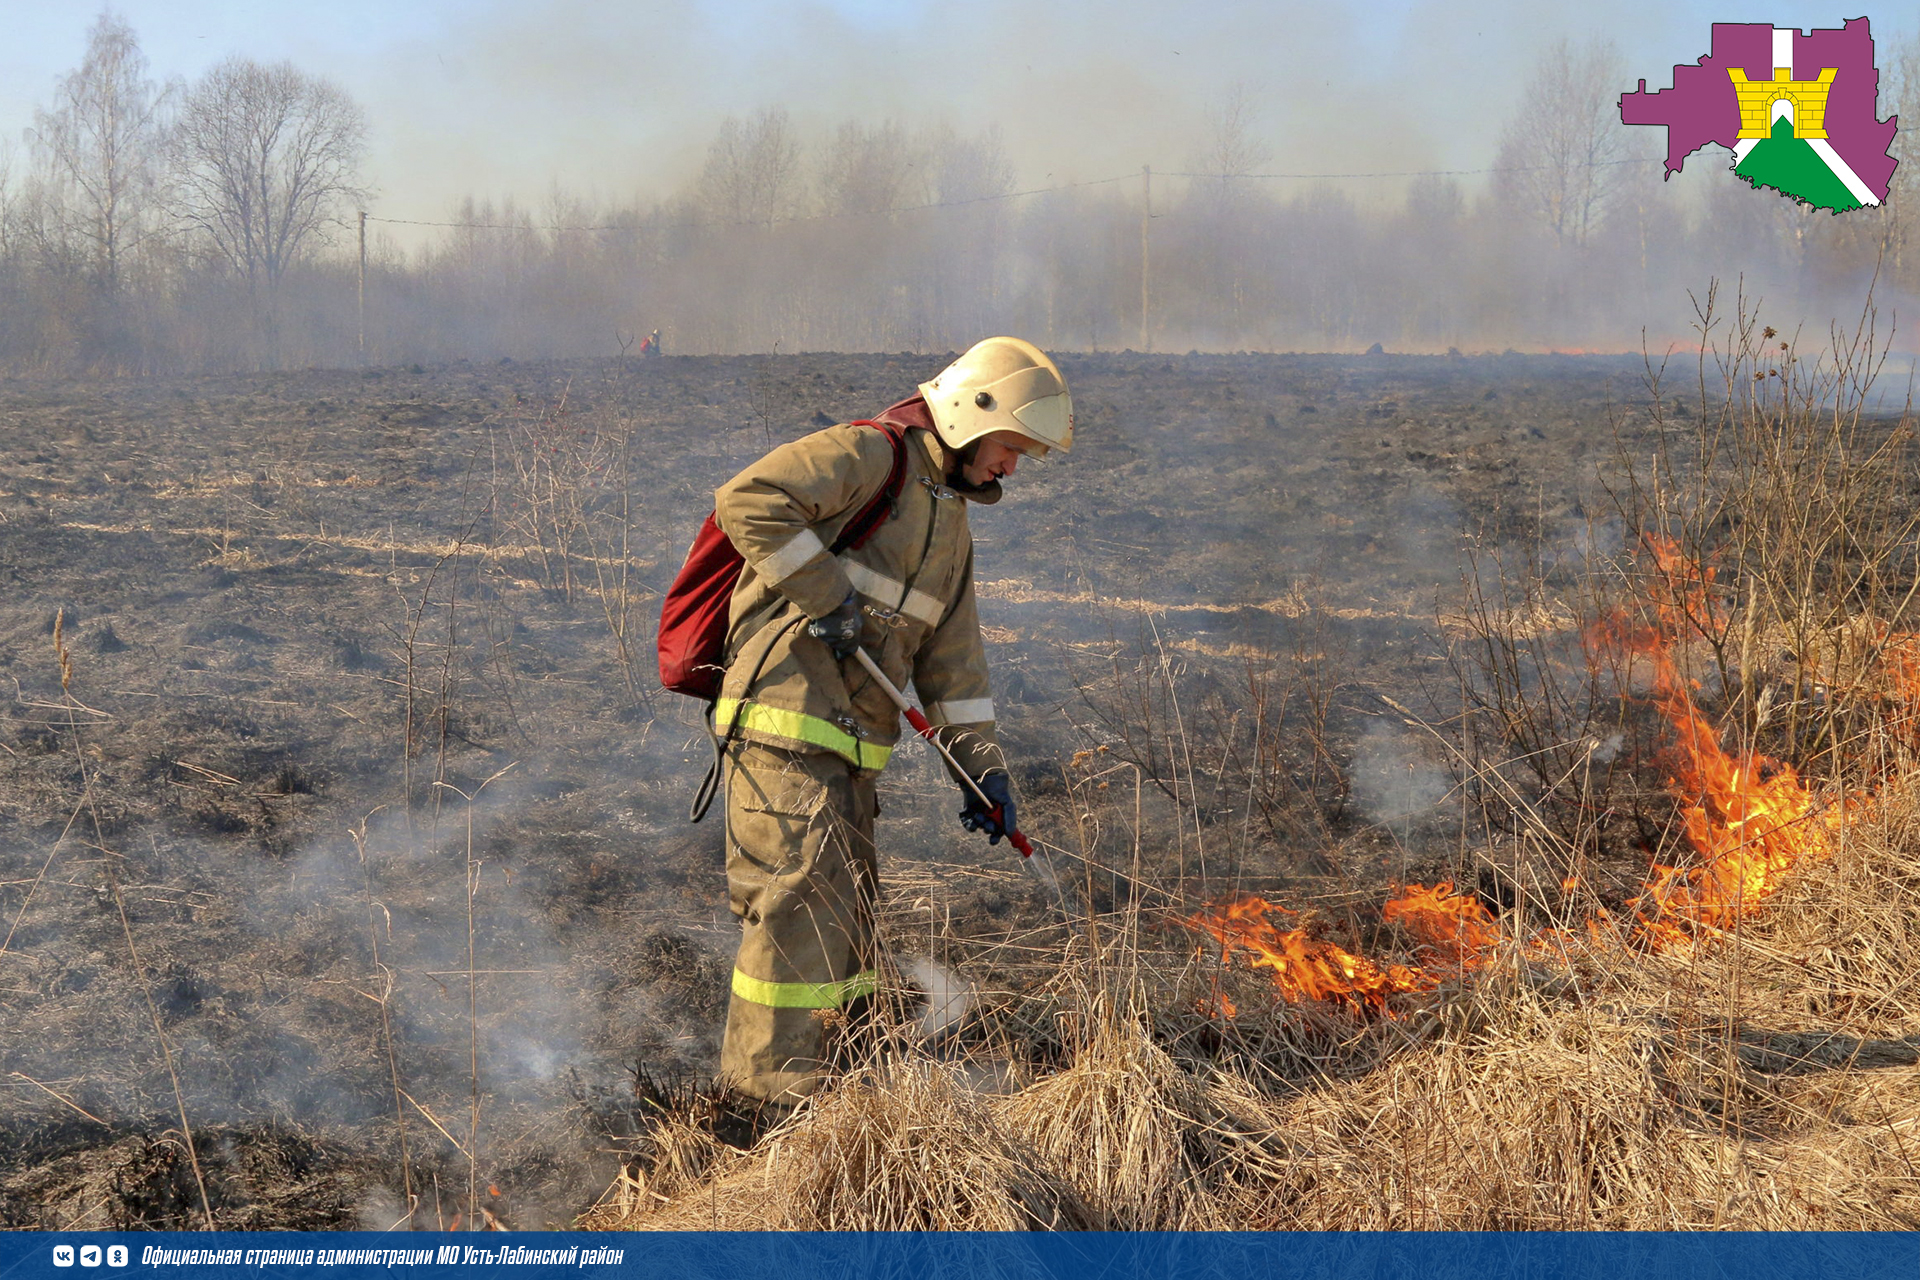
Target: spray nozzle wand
{"x": 925, "y": 730}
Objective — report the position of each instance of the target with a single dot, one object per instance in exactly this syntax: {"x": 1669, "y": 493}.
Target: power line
{"x": 1006, "y": 195}
{"x": 1423, "y": 173}
{"x": 805, "y": 217}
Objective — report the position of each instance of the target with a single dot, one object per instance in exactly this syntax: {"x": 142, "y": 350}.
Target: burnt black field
{"x": 333, "y": 774}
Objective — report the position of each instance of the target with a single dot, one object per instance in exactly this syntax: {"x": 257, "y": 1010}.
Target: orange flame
{"x": 1682, "y": 593}
{"x": 1749, "y": 818}
{"x": 1218, "y": 1004}
{"x": 1304, "y": 968}
{"x": 1456, "y": 928}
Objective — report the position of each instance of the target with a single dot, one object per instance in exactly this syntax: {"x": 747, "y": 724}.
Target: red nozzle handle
{"x": 920, "y": 726}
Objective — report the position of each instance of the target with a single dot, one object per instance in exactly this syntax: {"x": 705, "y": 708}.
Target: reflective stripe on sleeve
{"x": 805, "y": 995}
{"x": 800, "y": 727}
{"x": 961, "y": 711}
{"x": 886, "y": 592}
{"x": 790, "y": 559}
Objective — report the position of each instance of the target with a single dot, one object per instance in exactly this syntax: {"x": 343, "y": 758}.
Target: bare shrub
{"x": 566, "y": 493}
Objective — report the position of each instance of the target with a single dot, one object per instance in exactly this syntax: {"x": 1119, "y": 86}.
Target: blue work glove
{"x": 997, "y": 820}
{"x": 840, "y": 630}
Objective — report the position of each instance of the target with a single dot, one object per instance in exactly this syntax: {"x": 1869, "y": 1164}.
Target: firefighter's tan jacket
{"x": 914, "y": 578}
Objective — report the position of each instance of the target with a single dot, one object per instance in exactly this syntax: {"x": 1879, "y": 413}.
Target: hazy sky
{"x": 617, "y": 99}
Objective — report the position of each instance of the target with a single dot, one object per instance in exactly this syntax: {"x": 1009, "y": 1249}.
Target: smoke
{"x": 1393, "y": 780}
{"x": 542, "y": 185}
{"x": 948, "y": 995}
{"x": 620, "y": 100}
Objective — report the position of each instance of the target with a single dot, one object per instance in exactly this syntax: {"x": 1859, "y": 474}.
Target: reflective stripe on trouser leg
{"x": 801, "y": 877}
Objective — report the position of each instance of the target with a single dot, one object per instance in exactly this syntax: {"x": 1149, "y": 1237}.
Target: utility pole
{"x": 1146, "y": 221}
{"x": 363, "y": 286}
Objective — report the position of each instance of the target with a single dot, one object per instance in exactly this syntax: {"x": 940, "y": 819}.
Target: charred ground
{"x": 309, "y": 619}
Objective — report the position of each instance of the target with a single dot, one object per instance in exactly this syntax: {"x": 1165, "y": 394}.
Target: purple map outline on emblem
{"x": 1702, "y": 108}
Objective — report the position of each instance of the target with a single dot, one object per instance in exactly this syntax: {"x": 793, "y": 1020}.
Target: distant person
{"x": 650, "y": 345}
{"x": 806, "y": 731}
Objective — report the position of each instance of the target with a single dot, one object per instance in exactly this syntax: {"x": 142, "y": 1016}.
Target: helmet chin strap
{"x": 957, "y": 473}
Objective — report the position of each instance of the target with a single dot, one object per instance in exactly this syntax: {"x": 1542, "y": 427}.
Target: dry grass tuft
{"x": 682, "y": 1155}
{"x": 912, "y": 1148}
{"x": 1141, "y": 1139}
{"x": 904, "y": 1147}
{"x": 1557, "y": 1120}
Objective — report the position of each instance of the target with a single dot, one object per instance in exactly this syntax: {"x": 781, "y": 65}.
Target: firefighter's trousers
{"x": 801, "y": 877}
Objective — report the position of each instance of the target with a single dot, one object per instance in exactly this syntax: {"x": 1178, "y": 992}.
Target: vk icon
{"x": 63, "y": 1255}
{"x": 89, "y": 1255}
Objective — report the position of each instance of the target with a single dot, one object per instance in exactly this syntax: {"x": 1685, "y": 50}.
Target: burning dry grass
{"x": 1770, "y": 1080}
{"x": 1767, "y": 1082}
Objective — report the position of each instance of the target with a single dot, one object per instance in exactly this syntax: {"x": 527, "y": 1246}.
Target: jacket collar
{"x": 913, "y": 414}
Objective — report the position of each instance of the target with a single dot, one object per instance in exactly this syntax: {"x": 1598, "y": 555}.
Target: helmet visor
{"x": 1048, "y": 421}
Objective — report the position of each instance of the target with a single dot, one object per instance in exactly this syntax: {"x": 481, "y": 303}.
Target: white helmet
{"x": 1002, "y": 384}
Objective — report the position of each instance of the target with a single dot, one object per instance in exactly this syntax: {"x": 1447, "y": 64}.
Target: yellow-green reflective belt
{"x": 800, "y": 727}
{"x": 805, "y": 995}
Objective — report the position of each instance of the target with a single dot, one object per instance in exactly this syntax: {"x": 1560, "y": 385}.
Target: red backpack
{"x": 693, "y": 617}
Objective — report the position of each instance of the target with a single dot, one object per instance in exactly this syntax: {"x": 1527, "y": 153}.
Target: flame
{"x": 1900, "y": 705}
{"x": 1456, "y": 928}
{"x": 1304, "y": 968}
{"x": 1218, "y": 1004}
{"x": 1749, "y": 819}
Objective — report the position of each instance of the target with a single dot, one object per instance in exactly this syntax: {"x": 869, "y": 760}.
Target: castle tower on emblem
{"x": 1805, "y": 102}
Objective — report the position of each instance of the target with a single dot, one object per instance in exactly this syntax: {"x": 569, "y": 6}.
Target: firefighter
{"x": 807, "y": 731}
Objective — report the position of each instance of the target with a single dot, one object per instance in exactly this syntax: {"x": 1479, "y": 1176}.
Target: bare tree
{"x": 1435, "y": 200}
{"x": 967, "y": 169}
{"x": 1900, "y": 91}
{"x": 264, "y": 157}
{"x": 99, "y": 147}
{"x": 752, "y": 174}
{"x": 1229, "y": 250}
{"x": 1560, "y": 152}
{"x": 1233, "y": 150}
{"x": 9, "y": 212}
{"x": 869, "y": 169}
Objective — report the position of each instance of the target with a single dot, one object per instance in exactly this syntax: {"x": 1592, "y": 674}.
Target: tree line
{"x": 155, "y": 226}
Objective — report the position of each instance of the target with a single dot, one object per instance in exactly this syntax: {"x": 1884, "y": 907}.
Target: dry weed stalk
{"x": 72, "y": 707}
{"x": 569, "y": 495}
{"x": 377, "y": 916}
{"x": 473, "y": 867}
{"x": 1794, "y": 495}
